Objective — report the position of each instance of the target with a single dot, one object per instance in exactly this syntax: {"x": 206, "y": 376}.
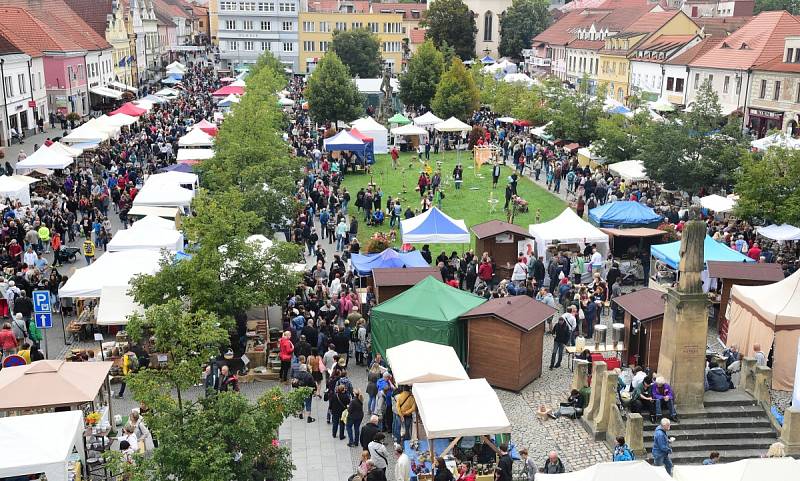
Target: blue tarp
{"x": 170, "y": 81}
{"x": 624, "y": 214}
{"x": 364, "y": 263}
{"x": 713, "y": 251}
{"x": 620, "y": 109}
{"x": 344, "y": 141}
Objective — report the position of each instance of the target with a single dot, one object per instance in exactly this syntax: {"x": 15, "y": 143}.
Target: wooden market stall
{"x": 643, "y": 318}
{"x": 507, "y": 332}
{"x": 393, "y": 281}
{"x": 729, "y": 274}
{"x": 503, "y": 242}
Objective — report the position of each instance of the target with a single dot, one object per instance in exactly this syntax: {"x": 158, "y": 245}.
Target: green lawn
{"x": 470, "y": 203}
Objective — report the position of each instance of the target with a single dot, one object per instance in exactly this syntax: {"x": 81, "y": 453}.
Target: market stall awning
{"x": 343, "y": 140}
{"x": 129, "y": 108}
{"x": 399, "y": 119}
{"x": 110, "y": 269}
{"x": 713, "y": 251}
{"x": 452, "y": 125}
{"x": 409, "y": 129}
{"x": 420, "y": 361}
{"x": 567, "y": 228}
{"x": 146, "y": 237}
{"x": 460, "y": 408}
{"x": 619, "y": 471}
{"x": 624, "y": 213}
{"x": 115, "y": 306}
{"x": 228, "y": 90}
{"x": 633, "y": 232}
{"x": 784, "y": 232}
{"x": 753, "y": 469}
{"x": 51, "y": 383}
{"x": 85, "y": 134}
{"x": 122, "y": 86}
{"x": 196, "y": 138}
{"x": 207, "y": 127}
{"x": 629, "y": 170}
{"x": 363, "y": 264}
{"x": 435, "y": 227}
{"x": 194, "y": 154}
{"x": 427, "y": 119}
{"x": 15, "y": 189}
{"x": 106, "y": 92}
{"x": 45, "y": 158}
{"x": 229, "y": 100}
{"x": 163, "y": 195}
{"x": 717, "y": 203}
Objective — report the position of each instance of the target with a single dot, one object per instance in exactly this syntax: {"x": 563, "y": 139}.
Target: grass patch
{"x": 470, "y": 203}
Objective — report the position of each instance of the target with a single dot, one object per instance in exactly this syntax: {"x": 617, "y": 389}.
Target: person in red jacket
{"x": 485, "y": 271}
{"x": 285, "y": 355}
{"x": 8, "y": 342}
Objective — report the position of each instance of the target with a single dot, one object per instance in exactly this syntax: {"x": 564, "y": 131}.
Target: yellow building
{"x": 316, "y": 32}
{"x": 213, "y": 20}
{"x": 615, "y": 68}
{"x": 117, "y": 35}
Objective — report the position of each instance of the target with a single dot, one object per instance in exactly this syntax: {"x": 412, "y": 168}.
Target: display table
{"x": 603, "y": 349}
{"x": 439, "y": 446}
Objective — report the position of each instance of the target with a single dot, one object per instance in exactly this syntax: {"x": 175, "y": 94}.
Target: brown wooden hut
{"x": 501, "y": 240}
{"x": 644, "y": 316}
{"x": 393, "y": 281}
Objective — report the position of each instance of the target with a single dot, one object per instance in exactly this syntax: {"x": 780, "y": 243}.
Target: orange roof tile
{"x": 417, "y": 35}
{"x": 406, "y": 9}
{"x": 778, "y": 65}
{"x": 63, "y": 22}
{"x": 93, "y": 12}
{"x": 6, "y": 47}
{"x": 359, "y": 6}
{"x": 695, "y": 51}
{"x": 586, "y": 44}
{"x": 760, "y": 39}
{"x": 651, "y": 21}
{"x": 561, "y": 32}
{"x": 665, "y": 41}
{"x": 30, "y": 35}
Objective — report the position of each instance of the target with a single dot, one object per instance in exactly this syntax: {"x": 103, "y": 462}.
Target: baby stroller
{"x": 67, "y": 254}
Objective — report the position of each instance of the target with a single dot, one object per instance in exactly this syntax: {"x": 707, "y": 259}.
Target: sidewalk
{"x": 12, "y": 152}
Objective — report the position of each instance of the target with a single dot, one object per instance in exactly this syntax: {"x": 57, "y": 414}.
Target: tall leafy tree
{"x": 575, "y": 113}
{"x": 767, "y": 186}
{"x": 331, "y": 93}
{"x": 791, "y": 6}
{"x": 451, "y": 21}
{"x": 619, "y": 136}
{"x": 418, "y": 83}
{"x": 522, "y": 21}
{"x": 456, "y": 95}
{"x": 360, "y": 50}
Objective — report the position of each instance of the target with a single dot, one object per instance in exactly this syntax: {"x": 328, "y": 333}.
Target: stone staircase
{"x": 731, "y": 423}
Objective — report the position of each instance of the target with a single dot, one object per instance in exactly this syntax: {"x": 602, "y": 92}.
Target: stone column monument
{"x": 681, "y": 359}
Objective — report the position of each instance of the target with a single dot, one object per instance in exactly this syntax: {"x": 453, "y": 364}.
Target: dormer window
{"x": 725, "y": 45}
{"x": 744, "y": 46}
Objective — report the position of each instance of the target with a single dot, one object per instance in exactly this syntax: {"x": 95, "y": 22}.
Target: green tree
{"x": 448, "y": 52}
{"x": 619, "y": 136}
{"x": 331, "y": 93}
{"x": 456, "y": 95}
{"x": 418, "y": 83}
{"x": 522, "y": 21}
{"x": 360, "y": 50}
{"x": 791, "y": 6}
{"x": 451, "y": 21}
{"x": 531, "y": 106}
{"x": 767, "y": 186}
{"x": 575, "y": 114}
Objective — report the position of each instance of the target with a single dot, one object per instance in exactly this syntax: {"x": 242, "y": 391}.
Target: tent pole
{"x": 63, "y": 326}
{"x": 451, "y": 445}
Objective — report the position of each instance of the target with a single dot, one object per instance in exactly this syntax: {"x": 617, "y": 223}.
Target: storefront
{"x": 762, "y": 121}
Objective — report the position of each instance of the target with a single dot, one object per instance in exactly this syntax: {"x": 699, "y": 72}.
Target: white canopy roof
{"x": 541, "y": 131}
{"x": 146, "y": 237}
{"x": 66, "y": 150}
{"x": 168, "y": 92}
{"x": 460, "y": 408}
{"x": 176, "y": 66}
{"x": 118, "y": 120}
{"x": 779, "y": 139}
{"x": 662, "y": 105}
{"x": 238, "y": 83}
{"x": 286, "y": 102}
{"x": 421, "y": 361}
{"x": 784, "y": 232}
{"x": 115, "y": 306}
{"x": 122, "y": 86}
{"x": 373, "y": 85}
{"x": 567, "y": 228}
{"x": 163, "y": 195}
{"x": 777, "y": 304}
{"x": 102, "y": 126}
{"x": 39, "y": 443}
{"x": 106, "y": 92}
{"x": 146, "y": 210}
{"x": 195, "y": 154}
{"x": 620, "y": 471}
{"x": 369, "y": 127}
{"x": 427, "y": 119}
{"x": 15, "y": 189}
{"x": 504, "y": 65}
{"x": 196, "y": 138}
{"x": 753, "y": 469}
{"x": 110, "y": 269}
{"x": 231, "y": 98}
{"x": 519, "y": 77}
{"x": 24, "y": 179}
{"x": 452, "y": 125}
{"x": 506, "y": 120}
{"x": 174, "y": 177}
{"x": 144, "y": 104}
{"x": 717, "y": 203}
{"x": 409, "y": 129}
{"x": 434, "y": 226}
{"x": 629, "y": 170}
{"x": 154, "y": 222}
{"x": 86, "y": 133}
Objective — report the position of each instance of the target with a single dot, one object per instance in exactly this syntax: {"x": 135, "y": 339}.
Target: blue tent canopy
{"x": 344, "y": 141}
{"x": 487, "y": 59}
{"x": 156, "y": 99}
{"x": 435, "y": 227}
{"x": 624, "y": 214}
{"x": 713, "y": 251}
{"x": 620, "y": 109}
{"x": 363, "y": 264}
{"x": 170, "y": 81}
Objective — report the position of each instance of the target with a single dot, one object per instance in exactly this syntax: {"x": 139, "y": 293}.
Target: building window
{"x": 248, "y": 45}
{"x": 738, "y": 85}
{"x": 267, "y": 26}
{"x": 287, "y": 7}
{"x": 287, "y": 26}
{"x": 341, "y": 26}
{"x": 230, "y": 24}
{"x": 789, "y": 55}
{"x": 796, "y": 97}
{"x": 288, "y": 47}
{"x": 392, "y": 27}
{"x": 265, "y": 46}
{"x": 670, "y": 84}
{"x": 696, "y": 81}
{"x": 247, "y": 25}
{"x": 21, "y": 79}
{"x": 230, "y": 6}
{"x": 391, "y": 46}
{"x": 308, "y": 46}
{"x": 268, "y": 7}
{"x": 233, "y": 45}
{"x": 374, "y": 27}
{"x": 710, "y": 79}
{"x": 324, "y": 27}
{"x": 323, "y": 46}
{"x": 776, "y": 93}
{"x": 763, "y": 91}
{"x": 356, "y": 25}
{"x": 726, "y": 84}
{"x": 308, "y": 26}
{"x": 679, "y": 85}
{"x": 487, "y": 26}
{"x": 10, "y": 86}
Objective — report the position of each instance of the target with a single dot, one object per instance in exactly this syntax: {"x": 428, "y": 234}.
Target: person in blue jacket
{"x": 661, "y": 446}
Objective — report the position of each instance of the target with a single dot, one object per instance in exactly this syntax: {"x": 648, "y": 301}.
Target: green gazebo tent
{"x": 399, "y": 119}
{"x": 429, "y": 311}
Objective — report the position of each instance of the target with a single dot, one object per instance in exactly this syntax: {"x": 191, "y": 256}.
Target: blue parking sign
{"x": 44, "y": 320}
{"x": 41, "y": 301}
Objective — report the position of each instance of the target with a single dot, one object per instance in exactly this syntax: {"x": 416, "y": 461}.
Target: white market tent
{"x": 24, "y": 179}
{"x": 196, "y": 138}
{"x": 506, "y": 120}
{"x": 176, "y": 66}
{"x": 421, "y": 361}
{"x": 519, "y": 78}
{"x": 629, "y": 170}
{"x": 115, "y": 306}
{"x": 779, "y": 139}
{"x": 717, "y": 203}
{"x": 409, "y": 129}
{"x": 99, "y": 124}
{"x": 168, "y": 93}
{"x": 161, "y": 195}
{"x": 661, "y": 105}
{"x": 620, "y": 471}
{"x": 763, "y": 314}
{"x": 467, "y": 407}
{"x": 117, "y": 120}
{"x": 784, "y": 232}
{"x": 754, "y": 469}
{"x": 194, "y": 154}
{"x": 452, "y": 125}
{"x": 285, "y": 102}
{"x": 85, "y": 133}
{"x": 154, "y": 222}
{"x": 15, "y": 189}
{"x": 502, "y": 66}
{"x": 371, "y": 128}
{"x": 434, "y": 227}
{"x": 68, "y": 151}
{"x": 426, "y": 119}
{"x": 146, "y": 237}
{"x": 174, "y": 177}
{"x": 238, "y": 83}
{"x": 40, "y": 443}
{"x": 568, "y": 228}
{"x": 163, "y": 212}
{"x": 110, "y": 269}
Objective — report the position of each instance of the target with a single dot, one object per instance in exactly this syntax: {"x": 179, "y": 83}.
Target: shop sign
{"x": 766, "y": 114}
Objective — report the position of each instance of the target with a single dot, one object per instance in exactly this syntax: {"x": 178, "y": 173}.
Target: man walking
{"x": 661, "y": 446}
{"x": 562, "y": 336}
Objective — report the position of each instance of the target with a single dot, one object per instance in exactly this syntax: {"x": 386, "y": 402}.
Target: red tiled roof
{"x": 359, "y": 6}
{"x": 417, "y": 35}
{"x": 6, "y": 47}
{"x": 164, "y": 18}
{"x": 620, "y": 18}
{"x": 721, "y": 26}
{"x": 695, "y": 51}
{"x": 30, "y": 35}
{"x": 760, "y": 39}
{"x": 778, "y": 65}
{"x": 561, "y": 32}
{"x": 169, "y": 8}
{"x": 404, "y": 8}
{"x": 63, "y": 22}
{"x": 587, "y": 44}
{"x": 663, "y": 43}
{"x": 93, "y": 12}
{"x": 651, "y": 21}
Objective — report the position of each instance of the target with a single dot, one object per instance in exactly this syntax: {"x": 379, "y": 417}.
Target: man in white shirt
{"x": 638, "y": 377}
{"x": 402, "y": 470}
{"x": 761, "y": 358}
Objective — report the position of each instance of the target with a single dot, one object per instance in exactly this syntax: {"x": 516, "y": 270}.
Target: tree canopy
{"x": 791, "y": 6}
{"x": 575, "y": 114}
{"x": 452, "y": 22}
{"x": 767, "y": 186}
{"x": 331, "y": 93}
{"x": 418, "y": 83}
{"x": 522, "y": 21}
{"x": 360, "y": 50}
{"x": 456, "y": 95}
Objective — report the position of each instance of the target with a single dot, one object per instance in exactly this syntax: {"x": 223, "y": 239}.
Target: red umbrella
{"x": 522, "y": 123}
{"x": 129, "y": 109}
{"x": 227, "y": 90}
{"x": 189, "y": 162}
